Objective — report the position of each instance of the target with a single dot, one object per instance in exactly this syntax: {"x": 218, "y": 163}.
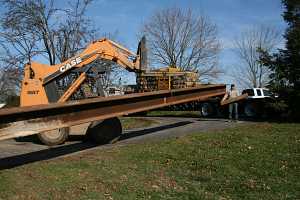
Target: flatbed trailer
{"x": 31, "y": 120}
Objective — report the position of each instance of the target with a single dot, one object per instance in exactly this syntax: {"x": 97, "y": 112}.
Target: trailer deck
{"x": 30, "y": 120}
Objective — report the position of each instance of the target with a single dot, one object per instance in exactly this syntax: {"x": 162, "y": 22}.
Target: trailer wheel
{"x": 106, "y": 131}
{"x": 207, "y": 109}
{"x": 249, "y": 110}
{"x": 54, "y": 137}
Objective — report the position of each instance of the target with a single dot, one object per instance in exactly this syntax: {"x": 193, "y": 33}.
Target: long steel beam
{"x": 24, "y": 121}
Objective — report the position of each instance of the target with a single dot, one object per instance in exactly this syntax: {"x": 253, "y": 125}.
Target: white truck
{"x": 253, "y": 106}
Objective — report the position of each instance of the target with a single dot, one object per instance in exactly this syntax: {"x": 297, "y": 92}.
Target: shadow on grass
{"x": 132, "y": 134}
{"x": 34, "y": 139}
{"x": 187, "y": 115}
{"x": 46, "y": 154}
{"x": 19, "y": 160}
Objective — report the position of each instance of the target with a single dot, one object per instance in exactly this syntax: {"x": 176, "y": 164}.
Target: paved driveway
{"x": 15, "y": 153}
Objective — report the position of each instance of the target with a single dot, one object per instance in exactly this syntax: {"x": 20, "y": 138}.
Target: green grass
{"x": 135, "y": 122}
{"x": 258, "y": 161}
{"x": 159, "y": 113}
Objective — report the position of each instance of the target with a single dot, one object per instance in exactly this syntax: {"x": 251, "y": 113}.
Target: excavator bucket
{"x": 142, "y": 52}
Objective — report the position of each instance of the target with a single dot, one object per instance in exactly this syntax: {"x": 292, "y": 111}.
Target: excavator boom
{"x": 76, "y": 78}
{"x": 39, "y": 85}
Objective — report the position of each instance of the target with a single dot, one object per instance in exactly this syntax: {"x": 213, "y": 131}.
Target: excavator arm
{"x": 101, "y": 49}
{"x": 39, "y": 82}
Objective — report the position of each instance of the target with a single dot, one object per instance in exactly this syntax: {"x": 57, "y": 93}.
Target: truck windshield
{"x": 250, "y": 92}
{"x": 258, "y": 92}
{"x": 267, "y": 93}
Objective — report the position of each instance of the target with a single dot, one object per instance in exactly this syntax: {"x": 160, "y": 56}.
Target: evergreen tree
{"x": 285, "y": 64}
{"x": 292, "y": 53}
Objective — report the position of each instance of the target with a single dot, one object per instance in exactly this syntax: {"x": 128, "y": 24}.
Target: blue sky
{"x": 230, "y": 16}
{"x": 126, "y": 17}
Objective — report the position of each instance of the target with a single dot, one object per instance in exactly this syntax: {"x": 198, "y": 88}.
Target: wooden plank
{"x": 233, "y": 100}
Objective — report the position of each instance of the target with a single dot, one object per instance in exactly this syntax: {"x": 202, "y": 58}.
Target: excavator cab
{"x": 80, "y": 77}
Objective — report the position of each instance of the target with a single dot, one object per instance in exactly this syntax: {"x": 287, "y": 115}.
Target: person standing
{"x": 233, "y": 107}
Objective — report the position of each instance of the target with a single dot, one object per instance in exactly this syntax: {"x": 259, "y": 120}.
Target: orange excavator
{"x": 43, "y": 84}
{"x": 76, "y": 78}
{"x": 80, "y": 77}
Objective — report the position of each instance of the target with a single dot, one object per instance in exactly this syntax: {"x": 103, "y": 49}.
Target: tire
{"x": 104, "y": 132}
{"x": 249, "y": 110}
{"x": 207, "y": 110}
{"x": 54, "y": 137}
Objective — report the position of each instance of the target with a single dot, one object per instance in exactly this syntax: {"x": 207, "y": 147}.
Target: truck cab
{"x": 252, "y": 107}
{"x": 258, "y": 93}
{"x": 255, "y": 104}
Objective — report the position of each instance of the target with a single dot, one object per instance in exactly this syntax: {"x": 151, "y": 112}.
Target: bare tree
{"x": 11, "y": 70}
{"x": 250, "y": 72}
{"x": 30, "y": 28}
{"x": 9, "y": 78}
{"x": 34, "y": 27}
{"x": 75, "y": 32}
{"x": 183, "y": 39}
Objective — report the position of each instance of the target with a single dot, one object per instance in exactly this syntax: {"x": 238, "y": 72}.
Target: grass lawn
{"x": 159, "y": 113}
{"x": 136, "y": 122}
{"x": 258, "y": 161}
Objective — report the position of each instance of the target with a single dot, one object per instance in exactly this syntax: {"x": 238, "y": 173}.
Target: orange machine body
{"x": 39, "y": 85}
{"x": 37, "y": 75}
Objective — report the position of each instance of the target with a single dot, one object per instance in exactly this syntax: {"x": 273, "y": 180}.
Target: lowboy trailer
{"x": 102, "y": 112}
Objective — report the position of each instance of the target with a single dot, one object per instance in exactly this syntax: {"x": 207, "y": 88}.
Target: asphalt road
{"x": 17, "y": 153}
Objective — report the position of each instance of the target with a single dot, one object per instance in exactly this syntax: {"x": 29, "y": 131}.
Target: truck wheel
{"x": 249, "y": 110}
{"x": 54, "y": 137}
{"x": 207, "y": 110}
{"x": 106, "y": 131}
